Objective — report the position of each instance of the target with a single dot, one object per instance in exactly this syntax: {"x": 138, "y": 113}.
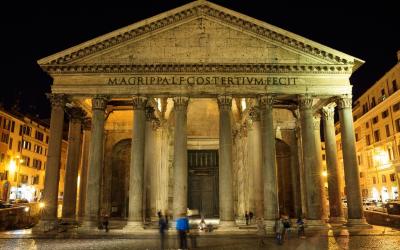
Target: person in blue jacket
{"x": 182, "y": 225}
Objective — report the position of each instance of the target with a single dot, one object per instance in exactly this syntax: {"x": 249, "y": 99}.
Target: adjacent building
{"x": 376, "y": 117}
{"x": 23, "y": 152}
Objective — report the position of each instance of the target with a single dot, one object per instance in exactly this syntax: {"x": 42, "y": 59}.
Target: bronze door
{"x": 203, "y": 182}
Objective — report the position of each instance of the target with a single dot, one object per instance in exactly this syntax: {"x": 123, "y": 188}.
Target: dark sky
{"x": 31, "y": 32}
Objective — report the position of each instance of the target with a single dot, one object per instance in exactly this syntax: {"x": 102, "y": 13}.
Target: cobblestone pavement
{"x": 383, "y": 238}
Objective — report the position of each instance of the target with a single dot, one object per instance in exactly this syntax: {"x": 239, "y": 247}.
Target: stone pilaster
{"x": 180, "y": 156}
{"x": 52, "y": 176}
{"x": 136, "y": 173}
{"x": 92, "y": 202}
{"x": 76, "y": 115}
{"x": 225, "y": 162}
{"x": 87, "y": 124}
{"x": 255, "y": 157}
{"x": 351, "y": 173}
{"x": 270, "y": 176}
{"x": 312, "y": 169}
{"x": 335, "y": 203}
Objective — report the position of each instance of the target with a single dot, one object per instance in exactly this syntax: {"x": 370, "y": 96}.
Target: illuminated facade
{"x": 203, "y": 108}
{"x": 23, "y": 156}
{"x": 377, "y": 132}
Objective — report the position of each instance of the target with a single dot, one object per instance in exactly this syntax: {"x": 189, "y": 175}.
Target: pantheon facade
{"x": 201, "y": 108}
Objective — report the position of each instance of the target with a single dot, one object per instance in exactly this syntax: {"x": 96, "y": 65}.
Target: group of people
{"x": 282, "y": 226}
{"x": 248, "y": 216}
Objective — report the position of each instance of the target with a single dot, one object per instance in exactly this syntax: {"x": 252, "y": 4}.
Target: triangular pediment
{"x": 200, "y": 32}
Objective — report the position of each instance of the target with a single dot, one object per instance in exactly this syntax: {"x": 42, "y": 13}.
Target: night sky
{"x": 31, "y": 32}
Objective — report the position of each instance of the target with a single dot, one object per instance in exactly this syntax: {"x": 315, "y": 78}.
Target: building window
{"x": 375, "y": 120}
{"x": 35, "y": 180}
{"x": 397, "y": 123}
{"x": 394, "y": 85}
{"x": 24, "y": 178}
{"x": 26, "y": 145}
{"x": 392, "y": 177}
{"x": 323, "y": 157}
{"x": 26, "y": 160}
{"x": 365, "y": 108}
{"x": 396, "y": 107}
{"x": 5, "y": 137}
{"x": 10, "y": 144}
{"x": 39, "y": 136}
{"x": 12, "y": 126}
{"x": 390, "y": 154}
{"x": 37, "y": 164}
{"x": 373, "y": 103}
{"x": 385, "y": 114}
{"x": 377, "y": 136}
{"x": 357, "y": 137}
{"x": 374, "y": 180}
{"x": 361, "y": 174}
{"x": 47, "y": 139}
{"x": 367, "y": 124}
{"x": 383, "y": 178}
{"x": 387, "y": 130}
{"x": 368, "y": 140}
{"x": 359, "y": 159}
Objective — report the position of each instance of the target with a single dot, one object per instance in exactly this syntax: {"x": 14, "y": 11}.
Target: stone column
{"x": 351, "y": 173}
{"x": 318, "y": 154}
{"x": 180, "y": 157}
{"x": 225, "y": 162}
{"x": 76, "y": 116}
{"x": 92, "y": 202}
{"x": 84, "y": 165}
{"x": 52, "y": 176}
{"x": 255, "y": 154}
{"x": 312, "y": 169}
{"x": 270, "y": 177}
{"x": 295, "y": 173}
{"x": 136, "y": 171}
{"x": 335, "y": 203}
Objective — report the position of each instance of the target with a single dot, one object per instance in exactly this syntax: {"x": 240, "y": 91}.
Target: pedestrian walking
{"x": 182, "y": 225}
{"x": 286, "y": 226}
{"x": 104, "y": 220}
{"x": 300, "y": 227}
{"x": 250, "y": 216}
{"x": 279, "y": 230}
{"x": 163, "y": 225}
{"x": 246, "y": 216}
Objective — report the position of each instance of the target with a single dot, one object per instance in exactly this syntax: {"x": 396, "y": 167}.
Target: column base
{"x": 337, "y": 220}
{"x": 45, "y": 226}
{"x": 134, "y": 226}
{"x": 269, "y": 226}
{"x": 358, "y": 224}
{"x": 316, "y": 225}
{"x": 227, "y": 225}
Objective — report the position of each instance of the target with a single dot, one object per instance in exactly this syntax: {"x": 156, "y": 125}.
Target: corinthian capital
{"x": 139, "y": 102}
{"x": 344, "y": 102}
{"x": 99, "y": 102}
{"x": 76, "y": 113}
{"x": 305, "y": 102}
{"x": 180, "y": 102}
{"x": 87, "y": 123}
{"x": 267, "y": 101}
{"x": 224, "y": 102}
{"x": 57, "y": 100}
{"x": 254, "y": 114}
{"x": 328, "y": 111}
{"x": 317, "y": 121}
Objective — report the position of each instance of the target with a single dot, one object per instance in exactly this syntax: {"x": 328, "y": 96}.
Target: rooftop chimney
{"x": 398, "y": 55}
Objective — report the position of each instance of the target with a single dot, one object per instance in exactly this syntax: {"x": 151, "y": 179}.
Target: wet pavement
{"x": 376, "y": 238}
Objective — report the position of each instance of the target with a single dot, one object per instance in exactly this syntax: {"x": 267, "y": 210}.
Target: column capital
{"x": 180, "y": 102}
{"x": 149, "y": 111}
{"x": 57, "y": 100}
{"x": 99, "y": 102}
{"x": 345, "y": 101}
{"x": 305, "y": 101}
{"x": 139, "y": 102}
{"x": 254, "y": 114}
{"x": 87, "y": 123}
{"x": 224, "y": 102}
{"x": 267, "y": 101}
{"x": 328, "y": 111}
{"x": 76, "y": 113}
{"x": 317, "y": 121}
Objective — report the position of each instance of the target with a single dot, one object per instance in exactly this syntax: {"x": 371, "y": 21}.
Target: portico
{"x": 201, "y": 77}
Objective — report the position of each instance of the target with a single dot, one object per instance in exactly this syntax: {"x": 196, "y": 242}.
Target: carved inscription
{"x": 201, "y": 80}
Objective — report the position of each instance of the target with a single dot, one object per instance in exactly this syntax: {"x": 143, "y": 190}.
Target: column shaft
{"x": 92, "y": 202}
{"x": 180, "y": 157}
{"x": 271, "y": 205}
{"x": 225, "y": 161}
{"x": 136, "y": 173}
{"x": 71, "y": 173}
{"x": 312, "y": 170}
{"x": 84, "y": 166}
{"x": 52, "y": 177}
{"x": 335, "y": 203}
{"x": 351, "y": 173}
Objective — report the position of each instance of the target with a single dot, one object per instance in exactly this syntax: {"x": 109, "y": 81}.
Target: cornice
{"x": 201, "y": 9}
{"x": 192, "y": 68}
